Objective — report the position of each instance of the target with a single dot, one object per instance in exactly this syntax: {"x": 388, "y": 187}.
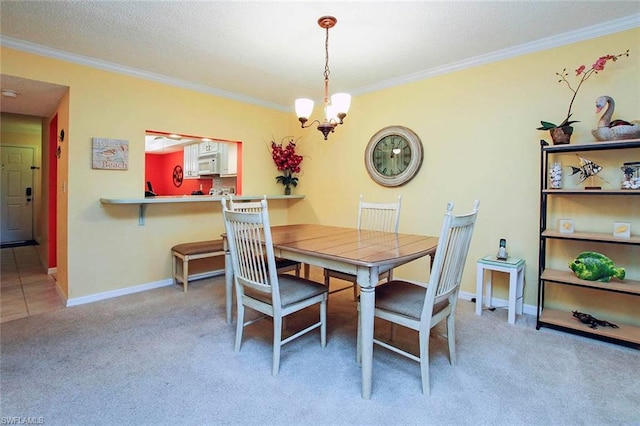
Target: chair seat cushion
{"x": 292, "y": 290}
{"x": 404, "y": 298}
{"x": 199, "y": 247}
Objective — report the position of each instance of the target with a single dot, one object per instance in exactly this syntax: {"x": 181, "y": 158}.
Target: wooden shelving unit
{"x": 626, "y": 334}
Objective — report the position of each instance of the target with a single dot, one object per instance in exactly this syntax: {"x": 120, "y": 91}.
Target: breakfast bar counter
{"x": 144, "y": 202}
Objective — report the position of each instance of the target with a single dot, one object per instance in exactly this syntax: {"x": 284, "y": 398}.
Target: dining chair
{"x": 258, "y": 284}
{"x": 411, "y": 305}
{"x": 282, "y": 265}
{"x": 372, "y": 216}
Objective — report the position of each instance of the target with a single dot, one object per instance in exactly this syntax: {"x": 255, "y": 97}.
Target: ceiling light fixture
{"x": 334, "y": 111}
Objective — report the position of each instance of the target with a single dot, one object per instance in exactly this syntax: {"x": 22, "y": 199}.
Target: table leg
{"x": 520, "y": 292}
{"x": 489, "y": 289}
{"x": 513, "y": 290}
{"x": 479, "y": 285}
{"x": 228, "y": 286}
{"x": 367, "y": 304}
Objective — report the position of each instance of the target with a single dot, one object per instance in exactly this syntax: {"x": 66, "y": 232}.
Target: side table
{"x": 515, "y": 268}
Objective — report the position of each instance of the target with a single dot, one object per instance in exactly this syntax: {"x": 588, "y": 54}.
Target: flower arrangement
{"x": 584, "y": 76}
{"x": 288, "y": 162}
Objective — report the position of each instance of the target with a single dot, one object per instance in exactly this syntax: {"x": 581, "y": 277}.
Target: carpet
{"x": 165, "y": 357}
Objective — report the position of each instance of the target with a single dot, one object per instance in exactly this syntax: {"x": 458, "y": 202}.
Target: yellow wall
{"x": 478, "y": 131}
{"x": 477, "y": 127}
{"x": 106, "y": 249}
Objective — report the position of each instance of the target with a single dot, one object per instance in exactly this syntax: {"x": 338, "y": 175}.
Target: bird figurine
{"x": 609, "y": 130}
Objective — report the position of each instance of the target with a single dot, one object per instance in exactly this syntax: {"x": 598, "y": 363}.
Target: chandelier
{"x": 334, "y": 111}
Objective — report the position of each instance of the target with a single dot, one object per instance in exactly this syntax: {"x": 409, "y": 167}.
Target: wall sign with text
{"x": 110, "y": 154}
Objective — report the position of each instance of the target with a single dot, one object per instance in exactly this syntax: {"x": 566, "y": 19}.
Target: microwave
{"x": 209, "y": 165}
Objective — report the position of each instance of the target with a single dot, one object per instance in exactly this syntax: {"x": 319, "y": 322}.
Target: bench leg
{"x": 185, "y": 273}
{"x": 174, "y": 268}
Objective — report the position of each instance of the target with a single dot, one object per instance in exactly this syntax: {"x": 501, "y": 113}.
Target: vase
{"x": 555, "y": 175}
{"x": 561, "y": 135}
{"x": 287, "y": 190}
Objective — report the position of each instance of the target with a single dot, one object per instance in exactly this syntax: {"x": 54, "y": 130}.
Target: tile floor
{"x": 25, "y": 287}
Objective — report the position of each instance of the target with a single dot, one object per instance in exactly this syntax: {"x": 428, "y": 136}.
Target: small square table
{"x": 515, "y": 268}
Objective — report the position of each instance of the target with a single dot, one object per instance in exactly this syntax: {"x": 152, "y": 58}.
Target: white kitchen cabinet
{"x": 228, "y": 159}
{"x": 190, "y": 169}
{"x": 208, "y": 148}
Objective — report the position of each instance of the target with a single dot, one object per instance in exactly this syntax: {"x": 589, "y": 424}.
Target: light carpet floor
{"x": 164, "y": 357}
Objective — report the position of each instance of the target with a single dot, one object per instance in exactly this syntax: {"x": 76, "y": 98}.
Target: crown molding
{"x": 599, "y": 30}
{"x": 62, "y": 55}
{"x": 606, "y": 28}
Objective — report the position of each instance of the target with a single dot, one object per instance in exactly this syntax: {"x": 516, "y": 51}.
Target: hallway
{"x": 25, "y": 287}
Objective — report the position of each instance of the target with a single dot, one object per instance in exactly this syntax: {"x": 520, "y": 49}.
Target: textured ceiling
{"x": 271, "y": 52}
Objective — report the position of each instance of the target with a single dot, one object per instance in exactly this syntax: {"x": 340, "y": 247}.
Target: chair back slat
{"x": 450, "y": 258}
{"x": 246, "y": 206}
{"x": 379, "y": 216}
{"x": 251, "y": 249}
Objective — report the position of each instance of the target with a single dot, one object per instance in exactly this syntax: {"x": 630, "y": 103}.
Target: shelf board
{"x": 625, "y": 332}
{"x": 591, "y": 236}
{"x": 578, "y": 191}
{"x": 564, "y": 277}
{"x": 593, "y": 146}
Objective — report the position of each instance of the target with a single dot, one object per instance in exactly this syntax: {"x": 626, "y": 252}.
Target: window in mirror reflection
{"x": 177, "y": 164}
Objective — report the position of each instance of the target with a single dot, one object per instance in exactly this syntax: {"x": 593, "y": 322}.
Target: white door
{"x": 16, "y": 194}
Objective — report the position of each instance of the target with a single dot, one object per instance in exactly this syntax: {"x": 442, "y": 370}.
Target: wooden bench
{"x": 192, "y": 251}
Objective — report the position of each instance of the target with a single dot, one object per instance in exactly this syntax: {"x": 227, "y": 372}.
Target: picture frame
{"x": 622, "y": 229}
{"x": 566, "y": 226}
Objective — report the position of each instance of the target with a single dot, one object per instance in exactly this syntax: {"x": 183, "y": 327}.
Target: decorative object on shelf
{"x": 288, "y": 162}
{"x": 592, "y": 266}
{"x": 561, "y": 133}
{"x": 555, "y": 175}
{"x": 622, "y": 229}
{"x": 177, "y": 176}
{"x": 609, "y": 130}
{"x": 566, "y": 226}
{"x": 587, "y": 169}
{"x": 393, "y": 156}
{"x": 110, "y": 154}
{"x": 591, "y": 321}
{"x": 631, "y": 173}
{"x": 335, "y": 110}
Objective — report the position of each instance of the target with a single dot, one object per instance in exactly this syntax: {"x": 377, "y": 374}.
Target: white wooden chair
{"x": 283, "y": 265}
{"x": 260, "y": 287}
{"x": 413, "y": 306}
{"x": 374, "y": 217}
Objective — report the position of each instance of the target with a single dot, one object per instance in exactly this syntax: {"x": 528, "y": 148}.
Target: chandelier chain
{"x": 326, "y": 67}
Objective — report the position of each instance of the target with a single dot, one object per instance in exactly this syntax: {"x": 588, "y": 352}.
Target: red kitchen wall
{"x": 159, "y": 171}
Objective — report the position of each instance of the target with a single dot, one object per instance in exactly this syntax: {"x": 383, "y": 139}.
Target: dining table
{"x": 363, "y": 253}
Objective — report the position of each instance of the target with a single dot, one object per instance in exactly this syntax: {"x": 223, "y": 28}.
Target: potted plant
{"x": 288, "y": 162}
{"x": 561, "y": 133}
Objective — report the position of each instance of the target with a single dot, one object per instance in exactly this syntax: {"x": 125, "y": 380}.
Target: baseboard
{"x": 527, "y": 309}
{"x": 135, "y": 289}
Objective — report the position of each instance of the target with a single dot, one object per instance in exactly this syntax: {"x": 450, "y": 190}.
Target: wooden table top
{"x": 358, "y": 247}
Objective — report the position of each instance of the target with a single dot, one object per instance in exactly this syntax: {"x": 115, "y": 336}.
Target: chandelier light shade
{"x": 336, "y": 107}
